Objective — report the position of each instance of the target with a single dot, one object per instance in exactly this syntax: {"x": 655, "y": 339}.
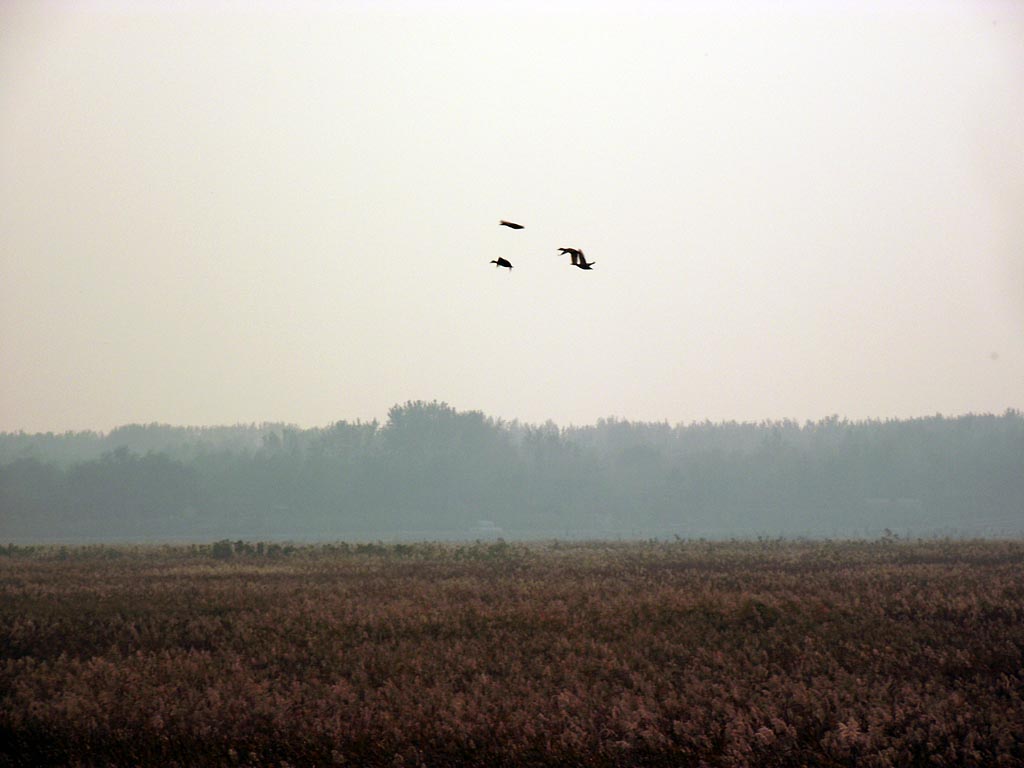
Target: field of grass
{"x": 764, "y": 653}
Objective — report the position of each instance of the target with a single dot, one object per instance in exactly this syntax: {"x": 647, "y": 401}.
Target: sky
{"x": 233, "y": 212}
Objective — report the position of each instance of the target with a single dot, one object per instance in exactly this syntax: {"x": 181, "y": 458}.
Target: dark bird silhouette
{"x": 502, "y": 263}
{"x": 577, "y": 257}
{"x": 582, "y": 262}
{"x": 509, "y": 224}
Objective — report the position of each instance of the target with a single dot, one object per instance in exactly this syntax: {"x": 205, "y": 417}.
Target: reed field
{"x": 684, "y": 653}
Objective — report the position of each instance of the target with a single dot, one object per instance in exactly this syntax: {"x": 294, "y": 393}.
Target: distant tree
{"x": 435, "y": 471}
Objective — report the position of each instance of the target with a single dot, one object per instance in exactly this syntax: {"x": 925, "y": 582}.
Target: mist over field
{"x": 285, "y": 217}
{"x": 250, "y": 251}
{"x": 432, "y": 472}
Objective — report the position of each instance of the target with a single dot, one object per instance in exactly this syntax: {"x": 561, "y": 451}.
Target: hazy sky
{"x": 239, "y": 212}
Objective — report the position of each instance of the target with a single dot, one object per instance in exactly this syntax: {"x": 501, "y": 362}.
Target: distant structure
{"x": 502, "y": 263}
{"x": 486, "y": 529}
{"x": 509, "y": 224}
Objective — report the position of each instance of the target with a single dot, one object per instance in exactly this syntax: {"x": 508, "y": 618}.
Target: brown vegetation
{"x": 688, "y": 653}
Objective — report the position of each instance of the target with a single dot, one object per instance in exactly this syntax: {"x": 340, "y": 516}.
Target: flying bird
{"x": 509, "y": 224}
{"x": 582, "y": 263}
{"x": 577, "y": 257}
{"x": 502, "y": 263}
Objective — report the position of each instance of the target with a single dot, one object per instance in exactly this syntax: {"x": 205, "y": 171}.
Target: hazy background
{"x": 220, "y": 213}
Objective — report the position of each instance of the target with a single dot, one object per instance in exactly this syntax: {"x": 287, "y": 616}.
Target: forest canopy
{"x": 432, "y": 472}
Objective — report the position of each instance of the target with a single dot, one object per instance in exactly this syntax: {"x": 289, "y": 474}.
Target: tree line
{"x": 431, "y": 471}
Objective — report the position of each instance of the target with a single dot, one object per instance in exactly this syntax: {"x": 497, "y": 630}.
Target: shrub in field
{"x": 222, "y": 550}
